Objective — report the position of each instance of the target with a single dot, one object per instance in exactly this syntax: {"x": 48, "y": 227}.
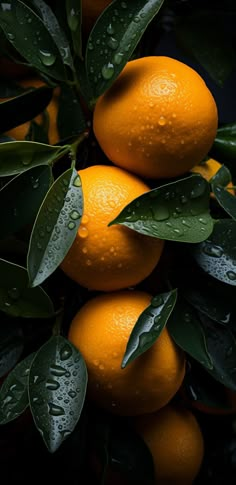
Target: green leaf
{"x": 17, "y": 299}
{"x": 21, "y": 198}
{"x": 217, "y": 255}
{"x": 221, "y": 346}
{"x": 113, "y": 39}
{"x": 18, "y": 156}
{"x": 14, "y": 391}
{"x": 202, "y": 34}
{"x": 228, "y": 129}
{"x": 29, "y": 35}
{"x": 224, "y": 146}
{"x": 225, "y": 199}
{"x": 70, "y": 118}
{"x": 11, "y": 343}
{"x": 74, "y": 18}
{"x": 9, "y": 88}
{"x": 178, "y": 211}
{"x": 53, "y": 27}
{"x": 222, "y": 177}
{"x": 24, "y": 107}
{"x": 55, "y": 227}
{"x": 57, "y": 388}
{"x": 149, "y": 326}
{"x": 186, "y": 330}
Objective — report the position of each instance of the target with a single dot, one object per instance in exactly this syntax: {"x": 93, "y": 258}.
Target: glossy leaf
{"x": 226, "y": 199}
{"x": 55, "y": 227}
{"x": 57, "y": 388}
{"x": 18, "y": 156}
{"x": 70, "y": 118}
{"x": 17, "y": 299}
{"x": 29, "y": 35}
{"x": 113, "y": 39}
{"x": 53, "y": 27}
{"x": 186, "y": 330}
{"x": 224, "y": 147}
{"x": 14, "y": 391}
{"x": 227, "y": 129}
{"x": 9, "y": 89}
{"x": 15, "y": 196}
{"x": 11, "y": 343}
{"x": 221, "y": 346}
{"x": 74, "y": 18}
{"x": 203, "y": 35}
{"x": 24, "y": 107}
{"x": 217, "y": 255}
{"x": 149, "y": 326}
{"x": 222, "y": 177}
{"x": 178, "y": 211}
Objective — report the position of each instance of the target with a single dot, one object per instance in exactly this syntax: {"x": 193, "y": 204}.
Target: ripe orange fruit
{"x": 109, "y": 258}
{"x": 158, "y": 119}
{"x": 90, "y": 12}
{"x": 100, "y": 330}
{"x": 175, "y": 440}
{"x": 209, "y": 169}
{"x": 20, "y": 132}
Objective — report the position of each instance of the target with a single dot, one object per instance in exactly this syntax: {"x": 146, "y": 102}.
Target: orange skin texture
{"x": 20, "y": 132}
{"x": 100, "y": 330}
{"x": 158, "y": 119}
{"x": 109, "y": 258}
{"x": 175, "y": 440}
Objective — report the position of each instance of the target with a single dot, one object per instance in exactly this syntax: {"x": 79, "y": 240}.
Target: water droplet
{"x": 72, "y": 394}
{"x": 10, "y": 36}
{"x": 73, "y": 19}
{"x": 212, "y": 250}
{"x": 83, "y": 232}
{"x": 65, "y": 352}
{"x": 74, "y": 215}
{"x": 52, "y": 385}
{"x": 14, "y": 293}
{"x": 187, "y": 317}
{"x": 136, "y": 19}
{"x": 178, "y": 231}
{"x": 162, "y": 121}
{"x": 55, "y": 410}
{"x": 108, "y": 71}
{"x": 117, "y": 59}
{"x": 113, "y": 43}
{"x": 160, "y": 213}
{"x": 198, "y": 190}
{"x": 186, "y": 223}
{"x": 57, "y": 370}
{"x": 77, "y": 181}
{"x": 157, "y": 301}
{"x": 47, "y": 58}
{"x": 90, "y": 46}
{"x": 110, "y": 29}
{"x": 231, "y": 275}
{"x": 71, "y": 225}
{"x": 145, "y": 339}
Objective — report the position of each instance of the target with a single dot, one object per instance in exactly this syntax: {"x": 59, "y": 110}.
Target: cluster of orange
{"x": 157, "y": 120}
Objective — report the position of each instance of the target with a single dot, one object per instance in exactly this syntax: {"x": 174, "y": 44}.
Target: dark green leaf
{"x": 70, "y": 118}
{"x": 55, "y": 227}
{"x": 73, "y": 11}
{"x": 222, "y": 177}
{"x": 224, "y": 146}
{"x": 24, "y": 107}
{"x": 29, "y": 35}
{"x": 11, "y": 343}
{"x": 9, "y": 88}
{"x": 18, "y": 156}
{"x": 149, "y": 326}
{"x": 113, "y": 39}
{"x": 203, "y": 35}
{"x": 186, "y": 330}
{"x": 21, "y": 198}
{"x": 57, "y": 388}
{"x": 17, "y": 299}
{"x": 178, "y": 211}
{"x": 217, "y": 255}
{"x": 226, "y": 199}
{"x": 14, "y": 391}
{"x": 38, "y": 131}
{"x": 228, "y": 129}
{"x": 53, "y": 27}
{"x": 221, "y": 346}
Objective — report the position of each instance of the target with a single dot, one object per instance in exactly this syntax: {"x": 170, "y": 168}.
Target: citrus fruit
{"x": 20, "y": 132}
{"x": 209, "y": 169}
{"x": 101, "y": 330}
{"x": 90, "y": 12}
{"x": 109, "y": 258}
{"x": 158, "y": 119}
{"x": 230, "y": 404}
{"x": 175, "y": 440}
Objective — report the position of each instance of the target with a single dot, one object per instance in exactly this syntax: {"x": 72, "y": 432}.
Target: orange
{"x": 230, "y": 399}
{"x": 209, "y": 169}
{"x": 90, "y": 12}
{"x": 175, "y": 440}
{"x": 20, "y": 132}
{"x": 100, "y": 330}
{"x": 109, "y": 258}
{"x": 158, "y": 119}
